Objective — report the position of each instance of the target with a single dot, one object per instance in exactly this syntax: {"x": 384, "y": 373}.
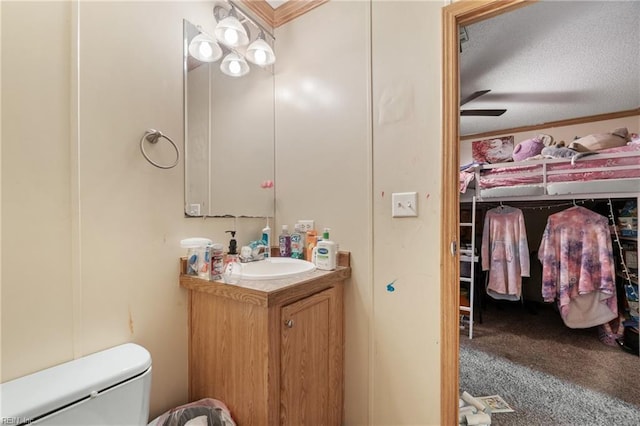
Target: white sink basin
{"x": 275, "y": 268}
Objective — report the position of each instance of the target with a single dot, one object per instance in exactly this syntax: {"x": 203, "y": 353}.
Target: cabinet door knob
{"x": 288, "y": 323}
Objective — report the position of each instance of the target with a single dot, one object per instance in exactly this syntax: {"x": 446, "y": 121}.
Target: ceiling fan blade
{"x": 483, "y": 112}
{"x": 473, "y": 96}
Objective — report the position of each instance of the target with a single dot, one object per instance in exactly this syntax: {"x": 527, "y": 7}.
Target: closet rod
{"x": 563, "y": 197}
{"x": 539, "y": 207}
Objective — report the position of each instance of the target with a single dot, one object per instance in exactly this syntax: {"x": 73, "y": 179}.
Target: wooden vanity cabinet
{"x": 273, "y": 355}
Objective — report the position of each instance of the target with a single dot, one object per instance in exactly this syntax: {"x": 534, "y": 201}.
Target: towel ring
{"x": 152, "y": 136}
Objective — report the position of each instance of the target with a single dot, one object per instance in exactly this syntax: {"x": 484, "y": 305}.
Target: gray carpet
{"x": 539, "y": 398}
{"x": 534, "y": 338}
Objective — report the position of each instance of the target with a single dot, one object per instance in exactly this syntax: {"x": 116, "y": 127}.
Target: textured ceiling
{"x": 552, "y": 60}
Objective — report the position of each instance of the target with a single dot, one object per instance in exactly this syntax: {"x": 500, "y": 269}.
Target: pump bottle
{"x": 232, "y": 269}
{"x": 326, "y": 253}
{"x": 266, "y": 238}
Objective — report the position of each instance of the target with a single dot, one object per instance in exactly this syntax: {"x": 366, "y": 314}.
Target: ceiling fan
{"x": 479, "y": 112}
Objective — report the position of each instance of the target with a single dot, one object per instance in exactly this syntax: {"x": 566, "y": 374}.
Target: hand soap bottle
{"x": 232, "y": 269}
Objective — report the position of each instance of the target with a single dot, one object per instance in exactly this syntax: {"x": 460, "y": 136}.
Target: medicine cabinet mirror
{"x": 228, "y": 138}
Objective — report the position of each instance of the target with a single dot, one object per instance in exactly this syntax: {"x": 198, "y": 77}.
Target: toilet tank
{"x": 107, "y": 388}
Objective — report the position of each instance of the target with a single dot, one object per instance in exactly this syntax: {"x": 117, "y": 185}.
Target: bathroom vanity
{"x": 271, "y": 350}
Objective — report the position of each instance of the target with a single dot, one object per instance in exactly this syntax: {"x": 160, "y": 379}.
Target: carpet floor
{"x": 534, "y": 338}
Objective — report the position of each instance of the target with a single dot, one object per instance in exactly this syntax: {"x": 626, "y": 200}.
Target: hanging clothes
{"x": 578, "y": 267}
{"x": 505, "y": 252}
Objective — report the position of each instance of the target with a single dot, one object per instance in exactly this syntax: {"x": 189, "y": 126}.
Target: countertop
{"x": 269, "y": 292}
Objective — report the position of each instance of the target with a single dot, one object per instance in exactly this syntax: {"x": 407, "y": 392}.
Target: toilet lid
{"x": 45, "y": 391}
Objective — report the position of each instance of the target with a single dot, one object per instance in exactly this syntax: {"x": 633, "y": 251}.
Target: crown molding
{"x": 283, "y": 14}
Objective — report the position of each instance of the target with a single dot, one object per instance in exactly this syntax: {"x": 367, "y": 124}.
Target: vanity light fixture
{"x": 234, "y": 65}
{"x": 230, "y": 31}
{"x": 260, "y": 53}
{"x": 204, "y": 48}
{"x": 233, "y": 31}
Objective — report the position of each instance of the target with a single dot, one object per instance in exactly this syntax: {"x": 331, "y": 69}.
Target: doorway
{"x": 453, "y": 16}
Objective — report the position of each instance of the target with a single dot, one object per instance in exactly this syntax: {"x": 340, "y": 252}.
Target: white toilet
{"x": 107, "y": 388}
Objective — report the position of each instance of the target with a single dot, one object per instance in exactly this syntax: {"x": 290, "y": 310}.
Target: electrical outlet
{"x": 194, "y": 210}
{"x": 307, "y": 225}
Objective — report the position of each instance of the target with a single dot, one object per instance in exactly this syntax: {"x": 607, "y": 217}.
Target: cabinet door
{"x": 311, "y": 361}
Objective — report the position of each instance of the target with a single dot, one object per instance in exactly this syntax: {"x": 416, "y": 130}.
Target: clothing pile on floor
{"x": 472, "y": 411}
{"x": 476, "y": 411}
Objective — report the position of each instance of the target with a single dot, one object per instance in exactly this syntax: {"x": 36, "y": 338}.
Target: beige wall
{"x": 323, "y": 159}
{"x": 37, "y": 304}
{"x": 561, "y": 133}
{"x": 340, "y": 146}
{"x": 91, "y": 231}
{"x": 406, "y": 157}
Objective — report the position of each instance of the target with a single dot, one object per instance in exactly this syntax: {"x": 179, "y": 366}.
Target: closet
{"x": 509, "y": 233}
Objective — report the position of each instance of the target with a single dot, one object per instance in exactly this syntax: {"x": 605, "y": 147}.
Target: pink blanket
{"x": 532, "y": 174}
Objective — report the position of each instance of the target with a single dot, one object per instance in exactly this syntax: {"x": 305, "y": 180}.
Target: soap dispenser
{"x": 233, "y": 244}
{"x": 233, "y": 269}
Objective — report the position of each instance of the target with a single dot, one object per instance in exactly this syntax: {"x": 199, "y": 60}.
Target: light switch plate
{"x": 404, "y": 204}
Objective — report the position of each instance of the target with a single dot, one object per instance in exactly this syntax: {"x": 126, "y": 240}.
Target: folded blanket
{"x": 465, "y": 179}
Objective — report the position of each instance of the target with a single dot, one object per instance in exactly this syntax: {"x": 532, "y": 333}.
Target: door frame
{"x": 456, "y": 14}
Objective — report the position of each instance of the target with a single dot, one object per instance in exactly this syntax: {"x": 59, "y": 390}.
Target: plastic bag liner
{"x": 205, "y": 412}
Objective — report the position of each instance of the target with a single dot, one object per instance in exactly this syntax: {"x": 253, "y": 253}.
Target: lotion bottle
{"x": 326, "y": 253}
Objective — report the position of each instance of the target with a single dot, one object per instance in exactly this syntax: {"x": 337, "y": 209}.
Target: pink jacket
{"x": 505, "y": 252}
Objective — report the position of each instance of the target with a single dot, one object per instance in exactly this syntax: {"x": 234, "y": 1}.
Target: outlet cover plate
{"x": 194, "y": 210}
{"x": 404, "y": 204}
{"x": 307, "y": 225}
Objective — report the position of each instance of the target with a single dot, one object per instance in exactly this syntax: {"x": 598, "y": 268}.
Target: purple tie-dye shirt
{"x": 577, "y": 258}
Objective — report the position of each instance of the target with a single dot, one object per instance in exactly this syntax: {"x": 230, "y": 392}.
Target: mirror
{"x": 228, "y": 137}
